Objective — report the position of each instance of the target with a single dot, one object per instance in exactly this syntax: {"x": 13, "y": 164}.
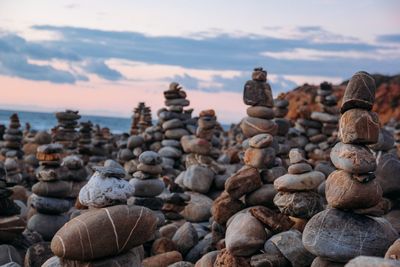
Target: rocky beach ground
{"x": 311, "y": 178}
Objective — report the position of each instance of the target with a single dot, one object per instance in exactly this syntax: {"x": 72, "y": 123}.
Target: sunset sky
{"x": 102, "y": 57}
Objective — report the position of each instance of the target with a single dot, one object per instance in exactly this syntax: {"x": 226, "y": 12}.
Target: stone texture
{"x": 358, "y": 126}
{"x": 353, "y": 158}
{"x": 339, "y": 236}
{"x": 244, "y": 235}
{"x": 298, "y": 204}
{"x": 344, "y": 192}
{"x": 299, "y": 182}
{"x": 244, "y": 181}
{"x": 123, "y": 227}
{"x": 359, "y": 93}
{"x": 252, "y": 126}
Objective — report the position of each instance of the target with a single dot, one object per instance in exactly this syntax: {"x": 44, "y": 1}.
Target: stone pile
{"x": 11, "y": 222}
{"x": 173, "y": 124}
{"x": 74, "y": 173}
{"x": 244, "y": 231}
{"x": 280, "y": 111}
{"x": 85, "y": 140}
{"x": 296, "y": 195}
{"x": 48, "y": 199}
{"x": 329, "y": 117}
{"x": 65, "y": 131}
{"x": 141, "y": 119}
{"x": 99, "y": 142}
{"x": 352, "y": 226}
{"x": 13, "y": 175}
{"x": 13, "y": 139}
{"x": 147, "y": 185}
{"x": 110, "y": 233}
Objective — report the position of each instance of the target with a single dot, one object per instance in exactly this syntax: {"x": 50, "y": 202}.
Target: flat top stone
{"x": 50, "y": 148}
{"x": 150, "y": 158}
{"x": 114, "y": 172}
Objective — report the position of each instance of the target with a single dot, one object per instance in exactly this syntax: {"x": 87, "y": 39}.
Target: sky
{"x": 103, "y": 57}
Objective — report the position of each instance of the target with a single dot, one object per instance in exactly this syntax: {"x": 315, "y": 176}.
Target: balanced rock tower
{"x": 65, "y": 133}
{"x": 351, "y": 225}
{"x": 13, "y": 139}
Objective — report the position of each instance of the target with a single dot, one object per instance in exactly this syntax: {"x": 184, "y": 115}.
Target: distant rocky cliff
{"x": 387, "y": 104}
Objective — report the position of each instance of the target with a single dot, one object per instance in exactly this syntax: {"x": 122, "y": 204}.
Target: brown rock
{"x": 120, "y": 227}
{"x": 262, "y": 196}
{"x": 275, "y": 222}
{"x": 260, "y": 158}
{"x": 393, "y": 252}
{"x": 344, "y": 192}
{"x": 261, "y": 141}
{"x": 360, "y": 92}
{"x": 208, "y": 259}
{"x": 378, "y": 210}
{"x": 244, "y": 181}
{"x": 260, "y": 112}
{"x": 303, "y": 204}
{"x": 162, "y": 245}
{"x": 252, "y": 126}
{"x": 358, "y": 126}
{"x": 224, "y": 207}
{"x": 257, "y": 93}
{"x": 162, "y": 260}
{"x": 244, "y": 235}
{"x": 225, "y": 259}
{"x": 299, "y": 182}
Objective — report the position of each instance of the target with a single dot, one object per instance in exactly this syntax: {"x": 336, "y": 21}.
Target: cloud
{"x": 100, "y": 68}
{"x": 389, "y": 38}
{"x": 311, "y": 51}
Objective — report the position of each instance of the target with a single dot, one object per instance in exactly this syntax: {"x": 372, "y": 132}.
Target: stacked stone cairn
{"x": 74, "y": 172}
{"x": 141, "y": 119}
{"x": 13, "y": 139}
{"x": 85, "y": 140}
{"x": 48, "y": 199}
{"x": 153, "y": 137}
{"x": 99, "y": 153}
{"x": 280, "y": 111}
{"x": 133, "y": 147}
{"x": 11, "y": 222}
{"x": 173, "y": 124}
{"x": 147, "y": 185}
{"x": 297, "y": 196}
{"x": 245, "y": 231}
{"x": 352, "y": 226}
{"x": 329, "y": 118}
{"x": 109, "y": 233}
{"x": 65, "y": 132}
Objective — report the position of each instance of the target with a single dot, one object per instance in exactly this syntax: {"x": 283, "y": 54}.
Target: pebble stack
{"x": 245, "y": 232}
{"x": 74, "y": 173}
{"x": 65, "y": 133}
{"x": 351, "y": 225}
{"x": 85, "y": 140}
{"x": 280, "y": 111}
{"x": 329, "y": 118}
{"x": 296, "y": 195}
{"x": 13, "y": 172}
{"x": 11, "y": 223}
{"x": 48, "y": 199}
{"x": 13, "y": 139}
{"x": 110, "y": 233}
{"x": 147, "y": 185}
{"x": 173, "y": 125}
{"x": 99, "y": 142}
{"x": 141, "y": 119}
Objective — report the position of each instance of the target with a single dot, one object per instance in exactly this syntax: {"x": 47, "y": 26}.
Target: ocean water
{"x": 47, "y": 120}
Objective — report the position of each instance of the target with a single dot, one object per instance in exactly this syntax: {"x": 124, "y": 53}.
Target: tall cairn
{"x": 48, "y": 199}
{"x": 352, "y": 226}
{"x": 141, "y": 119}
{"x": 245, "y": 234}
{"x": 65, "y": 133}
{"x": 173, "y": 124}
{"x": 13, "y": 139}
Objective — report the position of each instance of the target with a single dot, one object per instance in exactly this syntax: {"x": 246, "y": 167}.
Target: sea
{"x": 47, "y": 120}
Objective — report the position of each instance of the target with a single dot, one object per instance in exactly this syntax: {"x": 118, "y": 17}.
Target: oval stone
{"x": 299, "y": 182}
{"x": 122, "y": 227}
{"x": 252, "y": 126}
{"x": 358, "y": 126}
{"x": 298, "y": 204}
{"x": 339, "y": 236}
{"x": 353, "y": 158}
{"x": 244, "y": 235}
{"x": 360, "y": 92}
{"x": 344, "y": 192}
